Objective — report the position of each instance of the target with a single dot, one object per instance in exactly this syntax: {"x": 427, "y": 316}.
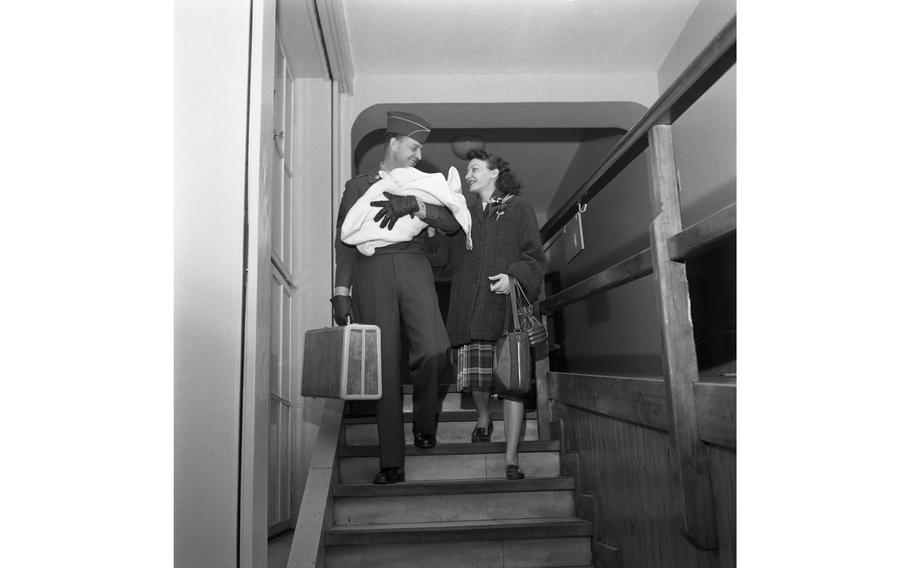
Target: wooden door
{"x": 283, "y": 290}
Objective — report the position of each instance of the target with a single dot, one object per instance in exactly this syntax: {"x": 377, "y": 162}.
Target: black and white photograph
{"x": 455, "y": 283}
{"x": 488, "y": 313}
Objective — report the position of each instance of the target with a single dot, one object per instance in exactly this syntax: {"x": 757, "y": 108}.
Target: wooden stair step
{"x": 448, "y": 387}
{"x": 452, "y": 401}
{"x": 458, "y": 531}
{"x": 557, "y": 483}
{"x": 454, "y": 449}
{"x": 428, "y": 467}
{"x": 567, "y": 552}
{"x": 382, "y": 511}
{"x": 445, "y": 416}
{"x": 357, "y": 407}
{"x": 447, "y": 432}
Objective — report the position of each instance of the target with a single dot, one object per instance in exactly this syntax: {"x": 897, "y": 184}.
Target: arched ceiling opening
{"x": 541, "y": 141}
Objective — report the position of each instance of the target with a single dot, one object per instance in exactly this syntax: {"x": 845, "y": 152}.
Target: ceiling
{"x": 454, "y": 37}
{"x": 478, "y": 37}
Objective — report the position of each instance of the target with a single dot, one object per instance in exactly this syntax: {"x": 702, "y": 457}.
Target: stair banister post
{"x": 680, "y": 365}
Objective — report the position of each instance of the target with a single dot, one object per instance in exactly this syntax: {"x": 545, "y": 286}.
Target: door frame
{"x": 254, "y": 414}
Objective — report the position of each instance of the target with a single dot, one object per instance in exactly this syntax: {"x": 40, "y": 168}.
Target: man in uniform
{"x": 394, "y": 289}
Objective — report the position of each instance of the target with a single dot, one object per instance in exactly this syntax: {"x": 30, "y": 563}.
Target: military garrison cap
{"x": 408, "y": 124}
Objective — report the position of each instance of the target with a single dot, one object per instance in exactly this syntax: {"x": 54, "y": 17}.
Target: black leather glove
{"x": 342, "y": 308}
{"x": 394, "y": 208}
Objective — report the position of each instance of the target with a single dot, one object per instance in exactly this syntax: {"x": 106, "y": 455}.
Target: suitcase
{"x": 343, "y": 362}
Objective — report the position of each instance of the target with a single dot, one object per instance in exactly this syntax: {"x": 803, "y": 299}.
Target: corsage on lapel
{"x": 498, "y": 205}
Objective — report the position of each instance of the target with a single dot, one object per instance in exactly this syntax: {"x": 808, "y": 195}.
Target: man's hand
{"x": 394, "y": 208}
{"x": 342, "y": 309}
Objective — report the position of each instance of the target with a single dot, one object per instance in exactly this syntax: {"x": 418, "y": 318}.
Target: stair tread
{"x": 450, "y": 449}
{"x": 501, "y": 529}
{"x": 454, "y": 487}
{"x": 445, "y": 416}
{"x": 409, "y": 389}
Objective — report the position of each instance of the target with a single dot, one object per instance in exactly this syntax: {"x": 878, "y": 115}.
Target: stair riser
{"x": 453, "y": 467}
{"x": 448, "y": 432}
{"x": 437, "y": 508}
{"x": 452, "y": 401}
{"x": 538, "y": 553}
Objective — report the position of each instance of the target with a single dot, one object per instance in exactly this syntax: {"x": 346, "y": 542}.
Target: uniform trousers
{"x": 396, "y": 291}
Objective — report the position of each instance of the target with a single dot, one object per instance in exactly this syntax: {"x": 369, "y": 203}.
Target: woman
{"x": 506, "y": 243}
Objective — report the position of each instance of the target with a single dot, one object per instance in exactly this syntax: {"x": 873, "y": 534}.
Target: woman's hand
{"x": 500, "y": 284}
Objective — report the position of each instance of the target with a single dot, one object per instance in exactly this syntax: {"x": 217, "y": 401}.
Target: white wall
{"x": 704, "y": 138}
{"x": 613, "y": 332}
{"x": 369, "y": 90}
{"x": 314, "y": 262}
{"x": 211, "y": 66}
{"x": 617, "y": 331}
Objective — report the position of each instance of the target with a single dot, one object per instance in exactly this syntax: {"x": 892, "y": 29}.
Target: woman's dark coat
{"x": 506, "y": 240}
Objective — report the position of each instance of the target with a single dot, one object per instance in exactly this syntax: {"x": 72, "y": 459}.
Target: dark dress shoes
{"x": 513, "y": 473}
{"x": 423, "y": 441}
{"x": 482, "y": 434}
{"x": 389, "y": 475}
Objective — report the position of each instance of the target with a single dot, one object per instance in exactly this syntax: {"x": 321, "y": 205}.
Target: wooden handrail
{"x": 698, "y": 77}
{"x": 307, "y": 547}
{"x": 622, "y": 272}
{"x": 702, "y": 235}
{"x": 683, "y": 245}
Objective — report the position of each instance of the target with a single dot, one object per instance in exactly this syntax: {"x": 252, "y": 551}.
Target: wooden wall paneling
{"x": 546, "y": 408}
{"x": 715, "y": 404}
{"x": 679, "y": 360}
{"x": 629, "y": 468}
{"x": 606, "y": 556}
{"x": 723, "y": 482}
{"x": 634, "y": 399}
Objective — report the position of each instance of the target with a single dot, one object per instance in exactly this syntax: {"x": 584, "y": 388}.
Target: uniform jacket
{"x": 506, "y": 240}
{"x": 359, "y": 228}
{"x": 437, "y": 217}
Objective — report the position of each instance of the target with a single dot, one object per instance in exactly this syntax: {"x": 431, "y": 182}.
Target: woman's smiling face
{"x": 480, "y": 177}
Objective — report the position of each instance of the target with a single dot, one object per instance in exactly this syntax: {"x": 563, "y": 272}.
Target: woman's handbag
{"x": 527, "y": 321}
{"x": 512, "y": 352}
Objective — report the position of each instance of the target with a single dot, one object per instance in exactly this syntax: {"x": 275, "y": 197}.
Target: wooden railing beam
{"x": 643, "y": 400}
{"x": 699, "y": 76}
{"x": 624, "y": 271}
{"x": 677, "y": 337}
{"x": 307, "y": 546}
{"x": 703, "y": 235}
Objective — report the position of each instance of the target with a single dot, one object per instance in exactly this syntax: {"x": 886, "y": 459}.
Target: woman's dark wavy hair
{"x": 506, "y": 182}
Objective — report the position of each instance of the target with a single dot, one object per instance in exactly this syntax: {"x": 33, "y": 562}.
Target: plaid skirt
{"x": 475, "y": 367}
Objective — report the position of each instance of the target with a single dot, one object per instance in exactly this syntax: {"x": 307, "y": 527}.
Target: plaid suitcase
{"x": 343, "y": 362}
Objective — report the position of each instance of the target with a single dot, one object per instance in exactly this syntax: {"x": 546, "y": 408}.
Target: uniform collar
{"x": 375, "y": 175}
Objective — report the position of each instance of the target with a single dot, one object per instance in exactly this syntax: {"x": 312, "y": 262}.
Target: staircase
{"x": 456, "y": 507}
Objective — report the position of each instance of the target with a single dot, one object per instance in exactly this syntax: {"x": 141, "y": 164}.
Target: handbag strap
{"x": 522, "y": 297}
{"x": 513, "y": 305}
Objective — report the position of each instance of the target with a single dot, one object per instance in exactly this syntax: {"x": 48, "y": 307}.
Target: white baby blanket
{"x": 361, "y": 230}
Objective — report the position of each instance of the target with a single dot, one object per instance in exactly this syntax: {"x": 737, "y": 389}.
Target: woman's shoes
{"x": 513, "y": 473}
{"x": 482, "y": 434}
